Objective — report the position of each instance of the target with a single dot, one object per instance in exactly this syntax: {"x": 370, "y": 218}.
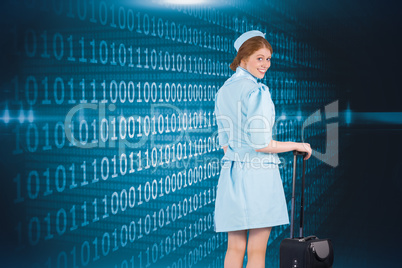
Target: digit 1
{"x": 73, "y": 223}
{"x": 48, "y": 191}
{"x": 72, "y": 139}
{"x": 139, "y": 58}
{"x": 113, "y": 122}
{"x": 96, "y": 218}
{"x": 146, "y": 59}
{"x": 112, "y": 24}
{"x": 74, "y": 254}
{"x": 104, "y": 92}
{"x": 45, "y": 54}
{"x": 93, "y": 60}
{"x": 70, "y": 13}
{"x": 105, "y": 202}
{"x": 139, "y": 194}
{"x": 73, "y": 184}
{"x": 185, "y": 150}
{"x": 140, "y": 258}
{"x": 84, "y": 208}
{"x": 71, "y": 84}
{"x": 82, "y": 84}
{"x": 95, "y": 140}
{"x": 130, "y": 50}
{"x": 49, "y": 235}
{"x": 19, "y": 198}
{"x": 114, "y": 234}
{"x": 139, "y": 161}
{"x": 47, "y": 146}
{"x": 113, "y": 61}
{"x": 46, "y": 89}
{"x": 92, "y": 19}
{"x": 140, "y": 228}
{"x": 114, "y": 167}
{"x": 131, "y": 163}
{"x": 93, "y": 84}
{"x": 95, "y": 242}
{"x": 84, "y": 174}
{"x": 82, "y": 59}
{"x": 138, "y": 15}
{"x": 96, "y": 179}
{"x": 70, "y": 41}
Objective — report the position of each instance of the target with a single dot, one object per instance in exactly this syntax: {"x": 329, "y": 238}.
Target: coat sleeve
{"x": 260, "y": 117}
{"x": 223, "y": 124}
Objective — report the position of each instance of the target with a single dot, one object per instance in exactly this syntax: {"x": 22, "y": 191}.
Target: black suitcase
{"x": 304, "y": 252}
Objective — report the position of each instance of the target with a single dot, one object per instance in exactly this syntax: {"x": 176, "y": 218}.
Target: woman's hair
{"x": 249, "y": 47}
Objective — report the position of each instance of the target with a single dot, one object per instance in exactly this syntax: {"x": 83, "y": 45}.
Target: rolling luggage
{"x": 304, "y": 252}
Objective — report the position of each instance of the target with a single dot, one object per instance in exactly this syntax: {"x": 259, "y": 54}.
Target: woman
{"x": 250, "y": 194}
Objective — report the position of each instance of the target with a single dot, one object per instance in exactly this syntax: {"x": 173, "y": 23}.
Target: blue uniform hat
{"x": 244, "y": 37}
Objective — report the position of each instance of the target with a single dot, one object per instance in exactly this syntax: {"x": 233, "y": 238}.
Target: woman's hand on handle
{"x": 304, "y": 147}
{"x": 276, "y": 147}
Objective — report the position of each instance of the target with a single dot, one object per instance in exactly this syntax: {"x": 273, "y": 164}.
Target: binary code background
{"x": 110, "y": 155}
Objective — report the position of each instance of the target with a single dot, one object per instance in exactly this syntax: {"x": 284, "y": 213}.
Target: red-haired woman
{"x": 250, "y": 194}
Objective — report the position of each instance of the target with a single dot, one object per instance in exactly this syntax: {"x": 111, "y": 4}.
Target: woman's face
{"x": 258, "y": 62}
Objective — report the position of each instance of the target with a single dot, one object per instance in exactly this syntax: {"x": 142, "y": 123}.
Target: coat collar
{"x": 243, "y": 73}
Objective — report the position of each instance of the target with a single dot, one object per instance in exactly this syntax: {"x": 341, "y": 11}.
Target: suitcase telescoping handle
{"x": 295, "y": 154}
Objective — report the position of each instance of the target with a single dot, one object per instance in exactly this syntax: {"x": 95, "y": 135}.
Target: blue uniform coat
{"x": 250, "y": 191}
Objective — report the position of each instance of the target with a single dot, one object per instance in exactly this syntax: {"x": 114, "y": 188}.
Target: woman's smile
{"x": 258, "y": 63}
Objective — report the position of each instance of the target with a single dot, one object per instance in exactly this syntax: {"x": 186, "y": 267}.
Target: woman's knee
{"x": 237, "y": 241}
{"x": 239, "y": 248}
{"x": 258, "y": 240}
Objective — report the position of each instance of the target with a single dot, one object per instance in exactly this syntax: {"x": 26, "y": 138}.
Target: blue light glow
{"x": 348, "y": 116}
{"x": 6, "y": 116}
{"x": 30, "y": 116}
{"x": 21, "y": 117}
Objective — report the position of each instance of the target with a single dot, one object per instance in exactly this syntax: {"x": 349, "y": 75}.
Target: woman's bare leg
{"x": 237, "y": 241}
{"x": 257, "y": 247}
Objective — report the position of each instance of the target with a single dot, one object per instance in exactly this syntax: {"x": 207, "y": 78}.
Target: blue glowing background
{"x": 109, "y": 151}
